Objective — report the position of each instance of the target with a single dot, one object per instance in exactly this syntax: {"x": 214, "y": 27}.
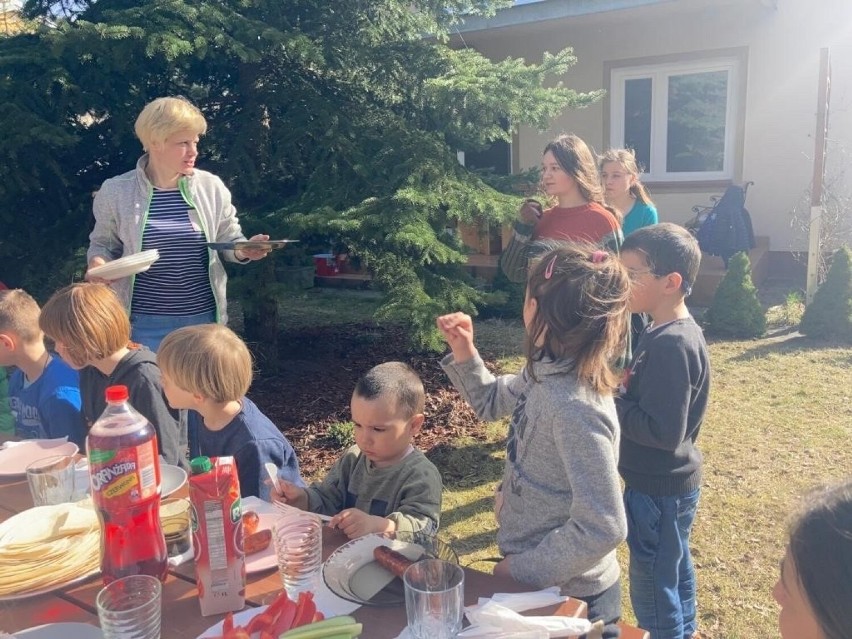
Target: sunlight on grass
{"x": 779, "y": 423}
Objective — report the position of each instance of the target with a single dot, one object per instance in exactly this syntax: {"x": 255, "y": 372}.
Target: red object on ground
{"x": 125, "y": 473}
{"x": 325, "y": 264}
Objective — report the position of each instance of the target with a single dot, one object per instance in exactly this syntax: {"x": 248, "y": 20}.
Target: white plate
{"x": 171, "y": 478}
{"x": 51, "y": 588}
{"x": 265, "y": 559}
{"x": 125, "y": 266}
{"x": 15, "y": 459}
{"x": 351, "y": 572}
{"x": 64, "y": 630}
{"x": 240, "y": 619}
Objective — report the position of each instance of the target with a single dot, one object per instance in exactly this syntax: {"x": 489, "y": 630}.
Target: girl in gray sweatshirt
{"x": 559, "y": 508}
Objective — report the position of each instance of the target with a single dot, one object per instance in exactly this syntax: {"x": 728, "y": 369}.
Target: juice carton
{"x": 220, "y": 571}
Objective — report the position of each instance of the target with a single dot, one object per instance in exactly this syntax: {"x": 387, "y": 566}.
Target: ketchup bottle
{"x": 124, "y": 468}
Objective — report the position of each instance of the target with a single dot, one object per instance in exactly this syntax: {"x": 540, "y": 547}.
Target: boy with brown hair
{"x": 382, "y": 483}
{"x": 44, "y": 392}
{"x": 207, "y": 369}
{"x": 661, "y": 408}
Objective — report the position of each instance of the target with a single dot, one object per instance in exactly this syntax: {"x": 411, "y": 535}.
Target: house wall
{"x": 782, "y": 47}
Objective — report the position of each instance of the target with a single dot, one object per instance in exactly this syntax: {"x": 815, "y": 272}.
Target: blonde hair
{"x": 166, "y": 116}
{"x": 627, "y": 159}
{"x": 582, "y": 315}
{"x": 208, "y": 359}
{"x": 19, "y": 315}
{"x": 88, "y": 319}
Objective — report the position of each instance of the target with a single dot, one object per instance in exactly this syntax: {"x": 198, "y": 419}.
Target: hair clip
{"x": 598, "y": 257}
{"x": 548, "y": 272}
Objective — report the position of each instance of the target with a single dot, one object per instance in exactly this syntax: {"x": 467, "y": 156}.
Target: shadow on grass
{"x": 797, "y": 343}
{"x": 468, "y": 465}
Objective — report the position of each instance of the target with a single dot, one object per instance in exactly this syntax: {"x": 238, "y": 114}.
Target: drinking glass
{"x": 51, "y": 480}
{"x": 131, "y": 608}
{"x": 434, "y": 599}
{"x": 298, "y": 547}
{"x": 175, "y": 520}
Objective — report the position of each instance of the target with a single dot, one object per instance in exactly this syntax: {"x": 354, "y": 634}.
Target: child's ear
{"x": 7, "y": 341}
{"x": 673, "y": 282}
{"x": 417, "y": 422}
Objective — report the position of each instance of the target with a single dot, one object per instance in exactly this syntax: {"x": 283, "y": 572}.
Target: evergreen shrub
{"x": 830, "y": 313}
{"x": 736, "y": 311}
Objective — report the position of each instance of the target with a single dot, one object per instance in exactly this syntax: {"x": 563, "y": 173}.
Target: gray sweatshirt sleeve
{"x": 585, "y": 450}
{"x": 491, "y": 397}
{"x": 329, "y": 496}
{"x": 513, "y": 260}
{"x": 104, "y": 240}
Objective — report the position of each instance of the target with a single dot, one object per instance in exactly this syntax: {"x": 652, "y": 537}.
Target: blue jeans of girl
{"x": 662, "y": 577}
{"x": 149, "y": 330}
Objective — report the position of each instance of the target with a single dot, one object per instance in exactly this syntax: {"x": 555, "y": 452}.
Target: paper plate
{"x": 65, "y": 630}
{"x": 265, "y": 559}
{"x": 125, "y": 266}
{"x": 15, "y": 459}
{"x": 249, "y": 244}
{"x": 172, "y": 478}
{"x": 351, "y": 572}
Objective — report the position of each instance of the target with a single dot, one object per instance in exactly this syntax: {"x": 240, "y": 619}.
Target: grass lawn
{"x": 779, "y": 423}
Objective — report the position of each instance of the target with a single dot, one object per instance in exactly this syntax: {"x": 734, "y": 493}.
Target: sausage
{"x": 392, "y": 560}
{"x": 257, "y": 541}
{"x": 251, "y": 520}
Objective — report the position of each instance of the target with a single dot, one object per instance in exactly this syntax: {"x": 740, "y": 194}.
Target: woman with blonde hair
{"x": 569, "y": 176}
{"x": 165, "y": 203}
{"x": 92, "y": 335}
{"x": 624, "y": 191}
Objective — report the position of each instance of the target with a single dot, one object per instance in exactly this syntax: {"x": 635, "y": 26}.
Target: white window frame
{"x": 659, "y": 75}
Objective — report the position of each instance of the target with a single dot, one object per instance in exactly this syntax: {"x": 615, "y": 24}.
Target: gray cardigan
{"x": 121, "y": 209}
{"x": 562, "y": 514}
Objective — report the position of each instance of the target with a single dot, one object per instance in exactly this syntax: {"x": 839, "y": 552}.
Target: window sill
{"x": 691, "y": 186}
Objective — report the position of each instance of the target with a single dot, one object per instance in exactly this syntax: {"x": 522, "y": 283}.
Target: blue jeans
{"x": 150, "y": 330}
{"x": 606, "y": 605}
{"x": 662, "y": 577}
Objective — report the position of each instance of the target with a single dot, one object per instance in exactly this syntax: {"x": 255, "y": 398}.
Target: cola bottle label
{"x": 126, "y": 476}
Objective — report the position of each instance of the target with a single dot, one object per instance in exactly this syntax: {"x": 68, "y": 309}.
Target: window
{"x": 679, "y": 118}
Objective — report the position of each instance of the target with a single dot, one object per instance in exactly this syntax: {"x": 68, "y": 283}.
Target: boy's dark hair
{"x": 396, "y": 380}
{"x": 821, "y": 548}
{"x": 668, "y": 248}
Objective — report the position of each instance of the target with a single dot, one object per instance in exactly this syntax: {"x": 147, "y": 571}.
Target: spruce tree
{"x": 735, "y": 310}
{"x": 829, "y": 315}
{"x": 335, "y": 121}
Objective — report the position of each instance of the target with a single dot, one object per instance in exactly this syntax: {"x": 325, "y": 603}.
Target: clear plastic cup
{"x": 51, "y": 480}
{"x": 131, "y": 608}
{"x": 298, "y": 547}
{"x": 434, "y": 599}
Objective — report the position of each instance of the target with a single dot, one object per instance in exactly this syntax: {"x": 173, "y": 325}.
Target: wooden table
{"x": 181, "y": 615}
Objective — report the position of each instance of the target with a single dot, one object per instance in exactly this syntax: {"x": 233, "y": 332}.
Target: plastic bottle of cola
{"x": 125, "y": 476}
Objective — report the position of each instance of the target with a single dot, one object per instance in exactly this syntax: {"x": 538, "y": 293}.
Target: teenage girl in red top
{"x": 570, "y": 176}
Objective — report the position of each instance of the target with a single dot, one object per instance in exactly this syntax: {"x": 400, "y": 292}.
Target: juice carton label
{"x": 122, "y": 478}
{"x": 220, "y": 572}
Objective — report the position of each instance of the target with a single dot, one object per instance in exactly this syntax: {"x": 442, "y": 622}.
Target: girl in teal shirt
{"x": 624, "y": 191}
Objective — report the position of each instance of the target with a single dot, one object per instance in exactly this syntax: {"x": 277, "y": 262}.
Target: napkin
{"x": 492, "y": 620}
{"x": 521, "y": 601}
{"x": 57, "y": 441}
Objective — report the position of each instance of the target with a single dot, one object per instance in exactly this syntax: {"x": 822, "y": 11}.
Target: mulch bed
{"x": 318, "y": 369}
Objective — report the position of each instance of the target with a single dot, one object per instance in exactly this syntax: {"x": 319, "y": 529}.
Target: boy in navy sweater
{"x": 207, "y": 369}
{"x": 661, "y": 407}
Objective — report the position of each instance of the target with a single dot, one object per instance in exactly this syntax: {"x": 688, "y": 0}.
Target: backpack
{"x": 727, "y": 229}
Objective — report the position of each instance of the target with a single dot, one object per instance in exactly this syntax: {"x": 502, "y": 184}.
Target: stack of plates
{"x": 125, "y": 266}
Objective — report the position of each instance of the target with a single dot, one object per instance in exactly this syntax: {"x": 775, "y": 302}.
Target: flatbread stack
{"x": 48, "y": 546}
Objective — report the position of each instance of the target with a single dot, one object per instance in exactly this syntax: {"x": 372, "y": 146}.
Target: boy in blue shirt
{"x": 661, "y": 408}
{"x": 44, "y": 392}
{"x": 208, "y": 370}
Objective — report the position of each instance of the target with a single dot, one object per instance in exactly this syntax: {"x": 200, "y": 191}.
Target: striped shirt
{"x": 179, "y": 282}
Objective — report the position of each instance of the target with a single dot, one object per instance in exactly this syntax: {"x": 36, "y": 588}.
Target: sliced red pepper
{"x": 279, "y": 603}
{"x": 305, "y": 609}
{"x": 238, "y": 633}
{"x": 267, "y": 635}
{"x": 228, "y": 623}
{"x": 263, "y": 621}
{"x": 318, "y": 616}
{"x": 286, "y": 615}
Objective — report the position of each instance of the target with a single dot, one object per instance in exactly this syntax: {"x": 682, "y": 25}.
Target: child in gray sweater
{"x": 559, "y": 509}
